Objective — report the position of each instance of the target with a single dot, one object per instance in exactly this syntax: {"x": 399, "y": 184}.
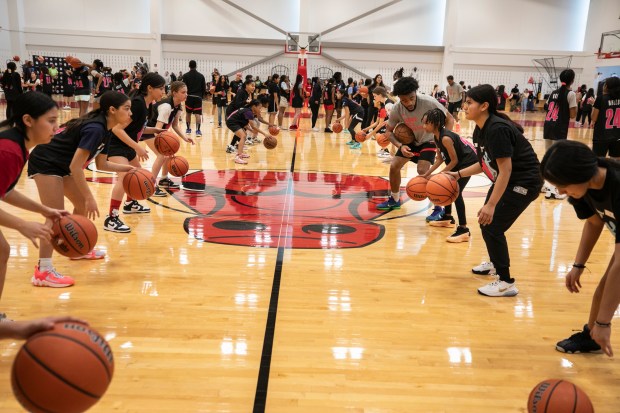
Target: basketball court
{"x": 278, "y": 286}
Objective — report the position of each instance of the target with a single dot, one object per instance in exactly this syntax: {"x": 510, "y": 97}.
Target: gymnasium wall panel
{"x": 5, "y": 37}
{"x": 106, "y": 16}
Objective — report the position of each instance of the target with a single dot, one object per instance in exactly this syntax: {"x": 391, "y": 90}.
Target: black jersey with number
{"x": 64, "y": 144}
{"x": 465, "y": 151}
{"x": 604, "y": 202}
{"x": 47, "y": 84}
{"x": 327, "y": 94}
{"x": 609, "y": 113}
{"x": 81, "y": 82}
{"x": 558, "y": 115}
{"x": 18, "y": 137}
{"x": 106, "y": 83}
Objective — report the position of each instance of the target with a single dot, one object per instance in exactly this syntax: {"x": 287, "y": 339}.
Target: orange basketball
{"x": 337, "y": 127}
{"x": 16, "y": 58}
{"x": 442, "y": 189}
{"x": 383, "y": 140}
{"x": 270, "y": 142}
{"x": 178, "y": 165}
{"x": 167, "y": 143}
{"x": 139, "y": 184}
{"x": 74, "y": 236}
{"x": 360, "y": 136}
{"x": 403, "y": 133}
{"x": 416, "y": 188}
{"x": 74, "y": 62}
{"x": 66, "y": 369}
{"x": 558, "y": 396}
{"x": 274, "y": 130}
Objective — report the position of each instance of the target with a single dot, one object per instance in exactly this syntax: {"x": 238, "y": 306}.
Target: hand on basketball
{"x": 24, "y": 329}
{"x": 53, "y": 214}
{"x": 35, "y": 231}
{"x": 454, "y": 175}
{"x": 572, "y": 279}
{"x": 406, "y": 151}
{"x": 602, "y": 336}
{"x": 92, "y": 211}
{"x": 143, "y": 154}
{"x": 485, "y": 215}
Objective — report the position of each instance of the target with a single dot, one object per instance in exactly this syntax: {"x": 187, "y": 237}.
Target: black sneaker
{"x": 168, "y": 183}
{"x": 113, "y": 223}
{"x": 446, "y": 221}
{"x": 230, "y": 149}
{"x": 461, "y": 234}
{"x": 133, "y": 207}
{"x": 580, "y": 342}
{"x": 159, "y": 193}
{"x": 328, "y": 130}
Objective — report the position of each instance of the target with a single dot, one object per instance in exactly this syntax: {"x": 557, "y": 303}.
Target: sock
{"x": 115, "y": 204}
{"x": 395, "y": 196}
{"x": 198, "y": 126}
{"x": 187, "y": 123}
{"x": 45, "y": 264}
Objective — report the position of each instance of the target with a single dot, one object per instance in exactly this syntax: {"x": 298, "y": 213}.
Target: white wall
{"x": 106, "y": 16}
{"x": 525, "y": 24}
{"x": 5, "y": 38}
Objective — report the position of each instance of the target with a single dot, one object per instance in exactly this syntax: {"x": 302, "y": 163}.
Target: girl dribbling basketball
{"x": 241, "y": 119}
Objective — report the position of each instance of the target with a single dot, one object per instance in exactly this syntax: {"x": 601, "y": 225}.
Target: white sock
{"x": 45, "y": 264}
{"x": 395, "y": 196}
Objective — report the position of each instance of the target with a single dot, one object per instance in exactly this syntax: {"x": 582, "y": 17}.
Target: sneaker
{"x": 383, "y": 153}
{"x": 389, "y": 204}
{"x": 347, "y": 131}
{"x": 257, "y": 140}
{"x": 387, "y": 159}
{"x": 249, "y": 141}
{"x": 92, "y": 255}
{"x": 484, "y": 268}
{"x": 240, "y": 160}
{"x": 577, "y": 123}
{"x": 231, "y": 149}
{"x": 499, "y": 288}
{"x": 580, "y": 342}
{"x": 67, "y": 107}
{"x": 113, "y": 223}
{"x": 445, "y": 221}
{"x": 244, "y": 156}
{"x": 168, "y": 183}
{"x": 327, "y": 130}
{"x": 134, "y": 207}
{"x": 293, "y": 127}
{"x": 316, "y": 130}
{"x": 356, "y": 145}
{"x": 461, "y": 234}
{"x": 159, "y": 193}
{"x": 199, "y": 133}
{"x": 219, "y": 125}
{"x": 351, "y": 142}
{"x": 50, "y": 279}
{"x": 436, "y": 215}
{"x": 188, "y": 131}
{"x": 552, "y": 193}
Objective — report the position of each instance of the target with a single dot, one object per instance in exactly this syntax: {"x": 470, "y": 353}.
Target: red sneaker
{"x": 50, "y": 279}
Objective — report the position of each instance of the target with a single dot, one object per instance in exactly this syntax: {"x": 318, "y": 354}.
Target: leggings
{"x": 459, "y": 203}
{"x": 355, "y": 119}
{"x": 315, "y": 113}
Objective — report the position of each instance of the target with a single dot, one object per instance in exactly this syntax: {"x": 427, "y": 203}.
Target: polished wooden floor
{"x": 376, "y": 313}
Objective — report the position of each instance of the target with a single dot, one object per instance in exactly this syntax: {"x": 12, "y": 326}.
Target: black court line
{"x": 260, "y": 398}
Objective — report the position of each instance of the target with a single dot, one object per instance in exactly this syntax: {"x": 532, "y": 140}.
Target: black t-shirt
{"x": 241, "y": 117}
{"x": 515, "y": 92}
{"x": 354, "y": 107}
{"x": 93, "y": 135}
{"x": 465, "y": 151}
{"x": 12, "y": 87}
{"x": 196, "y": 83}
{"x": 48, "y": 84}
{"x": 607, "y": 126}
{"x": 316, "y": 93}
{"x": 599, "y": 125}
{"x": 327, "y": 94}
{"x": 234, "y": 86}
{"x": 558, "y": 115}
{"x": 81, "y": 82}
{"x": 139, "y": 116}
{"x": 273, "y": 90}
{"x": 604, "y": 202}
{"x": 499, "y": 138}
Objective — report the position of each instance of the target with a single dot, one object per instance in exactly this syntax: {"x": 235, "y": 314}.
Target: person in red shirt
{"x": 33, "y": 122}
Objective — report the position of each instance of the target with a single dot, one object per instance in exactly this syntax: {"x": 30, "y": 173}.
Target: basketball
{"x": 416, "y": 188}
{"x": 16, "y": 58}
{"x": 75, "y": 63}
{"x": 139, "y": 184}
{"x": 383, "y": 140}
{"x": 274, "y": 130}
{"x": 442, "y": 189}
{"x": 74, "y": 236}
{"x": 270, "y": 142}
{"x": 178, "y": 165}
{"x": 558, "y": 396}
{"x": 68, "y": 59}
{"x": 363, "y": 90}
{"x": 360, "y": 136}
{"x": 167, "y": 143}
{"x": 66, "y": 369}
{"x": 403, "y": 133}
{"x": 337, "y": 127}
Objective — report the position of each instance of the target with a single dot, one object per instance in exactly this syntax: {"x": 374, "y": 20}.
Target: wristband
{"x": 604, "y": 325}
{"x": 459, "y": 172}
{"x": 580, "y": 266}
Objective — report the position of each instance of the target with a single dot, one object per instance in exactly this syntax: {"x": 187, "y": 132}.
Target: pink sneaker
{"x": 240, "y": 160}
{"x": 92, "y": 255}
{"x": 50, "y": 279}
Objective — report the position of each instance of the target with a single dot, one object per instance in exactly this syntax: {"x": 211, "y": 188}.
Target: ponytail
{"x": 486, "y": 93}
{"x": 108, "y": 99}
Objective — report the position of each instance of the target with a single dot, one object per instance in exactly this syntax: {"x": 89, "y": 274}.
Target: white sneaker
{"x": 485, "y": 268}
{"x": 552, "y": 193}
{"x": 499, "y": 289}
{"x": 316, "y": 129}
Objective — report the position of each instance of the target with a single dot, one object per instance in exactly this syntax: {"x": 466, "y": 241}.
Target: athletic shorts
{"x": 40, "y": 166}
{"x": 328, "y": 107}
{"x": 193, "y": 104}
{"x": 283, "y": 102}
{"x": 234, "y": 126}
{"x": 602, "y": 148}
{"x": 120, "y": 149}
{"x": 454, "y": 106}
{"x": 272, "y": 107}
{"x": 424, "y": 152}
{"x": 82, "y": 98}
